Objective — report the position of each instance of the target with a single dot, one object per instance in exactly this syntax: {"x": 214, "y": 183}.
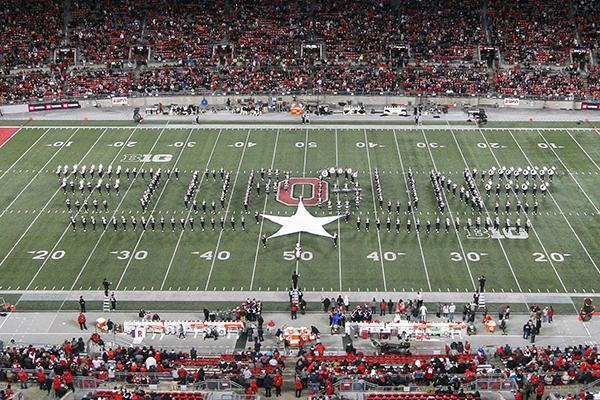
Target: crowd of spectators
{"x": 532, "y": 31}
{"x": 29, "y": 31}
{"x": 259, "y": 46}
{"x": 548, "y": 83}
{"x": 553, "y": 366}
{"x": 318, "y": 372}
{"x": 594, "y": 83}
{"x": 444, "y": 32}
{"x": 182, "y": 30}
{"x": 54, "y": 368}
{"x": 587, "y": 18}
{"x": 105, "y": 30}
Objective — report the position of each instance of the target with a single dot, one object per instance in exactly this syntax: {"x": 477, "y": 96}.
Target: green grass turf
{"x": 32, "y": 216}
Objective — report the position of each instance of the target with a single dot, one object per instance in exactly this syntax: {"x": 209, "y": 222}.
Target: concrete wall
{"x": 368, "y": 101}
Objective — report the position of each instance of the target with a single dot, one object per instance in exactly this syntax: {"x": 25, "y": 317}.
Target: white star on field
{"x": 301, "y": 221}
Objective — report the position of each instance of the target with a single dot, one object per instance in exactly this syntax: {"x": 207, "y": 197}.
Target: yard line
{"x": 202, "y": 175}
{"x": 212, "y": 265}
{"x": 113, "y": 214}
{"x": 302, "y": 190}
{"x": 561, "y": 212}
{"x": 489, "y": 216}
{"x": 413, "y": 215}
{"x": 375, "y": 209}
{"x": 450, "y": 213}
{"x": 532, "y": 226}
{"x": 262, "y": 221}
{"x": 162, "y": 191}
{"x": 568, "y": 171}
{"x": 24, "y": 153}
{"x": 41, "y": 170}
{"x": 78, "y": 212}
{"x": 339, "y": 232}
{"x": 582, "y": 149}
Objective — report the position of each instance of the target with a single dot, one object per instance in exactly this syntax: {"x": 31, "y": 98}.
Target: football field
{"x": 39, "y": 250}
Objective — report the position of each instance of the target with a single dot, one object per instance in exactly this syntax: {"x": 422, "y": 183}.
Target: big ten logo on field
{"x": 309, "y": 188}
{"x": 145, "y": 158}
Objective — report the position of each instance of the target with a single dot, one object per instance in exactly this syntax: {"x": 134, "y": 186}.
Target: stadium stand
{"x": 246, "y": 47}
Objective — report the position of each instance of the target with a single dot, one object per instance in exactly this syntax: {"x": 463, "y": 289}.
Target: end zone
{"x": 6, "y": 134}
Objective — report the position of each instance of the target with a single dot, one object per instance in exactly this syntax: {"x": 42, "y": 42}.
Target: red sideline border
{"x": 6, "y": 134}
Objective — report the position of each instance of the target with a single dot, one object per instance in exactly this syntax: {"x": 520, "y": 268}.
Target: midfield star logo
{"x": 301, "y": 221}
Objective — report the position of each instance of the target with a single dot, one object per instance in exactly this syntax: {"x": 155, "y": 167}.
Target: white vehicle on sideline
{"x": 399, "y": 110}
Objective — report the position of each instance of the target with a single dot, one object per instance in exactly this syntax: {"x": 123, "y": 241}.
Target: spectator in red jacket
{"x": 298, "y": 386}
{"x": 56, "y": 383}
{"x": 81, "y": 320}
{"x": 22, "y": 376}
{"x": 278, "y": 382}
{"x": 382, "y": 307}
{"x": 254, "y": 387}
{"x": 41, "y": 378}
{"x": 68, "y": 379}
{"x": 539, "y": 391}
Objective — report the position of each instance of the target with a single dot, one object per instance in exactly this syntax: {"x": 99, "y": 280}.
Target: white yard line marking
{"x": 37, "y": 174}
{"x": 339, "y": 230}
{"x": 498, "y": 164}
{"x": 489, "y": 216}
{"x": 78, "y": 212}
{"x": 24, "y": 153}
{"x": 262, "y": 221}
{"x": 212, "y": 265}
{"x": 582, "y": 149}
{"x": 370, "y": 172}
{"x": 162, "y": 285}
{"x": 561, "y": 212}
{"x": 413, "y": 214}
{"x": 302, "y": 190}
{"x": 162, "y": 191}
{"x": 460, "y": 244}
{"x": 114, "y": 213}
{"x": 568, "y": 171}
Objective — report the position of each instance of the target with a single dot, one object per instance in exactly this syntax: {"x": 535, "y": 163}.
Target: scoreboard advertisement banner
{"x": 590, "y": 106}
{"x": 65, "y": 105}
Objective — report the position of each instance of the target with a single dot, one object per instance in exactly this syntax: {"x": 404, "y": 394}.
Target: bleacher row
{"x": 412, "y": 80}
{"x": 534, "y": 31}
{"x": 172, "y": 395}
{"x": 416, "y": 396}
{"x": 267, "y": 47}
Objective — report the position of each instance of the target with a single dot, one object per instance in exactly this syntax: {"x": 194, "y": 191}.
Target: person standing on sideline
{"x": 481, "y": 280}
{"x": 113, "y": 302}
{"x": 106, "y": 285}
{"x": 295, "y": 277}
{"x": 81, "y": 320}
{"x": 382, "y": 307}
{"x": 294, "y": 311}
{"x": 81, "y": 304}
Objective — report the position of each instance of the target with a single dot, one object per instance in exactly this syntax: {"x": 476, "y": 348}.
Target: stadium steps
{"x": 586, "y": 85}
{"x": 106, "y": 304}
